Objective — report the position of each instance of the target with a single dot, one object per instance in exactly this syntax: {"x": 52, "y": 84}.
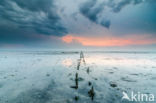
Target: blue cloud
{"x": 39, "y": 16}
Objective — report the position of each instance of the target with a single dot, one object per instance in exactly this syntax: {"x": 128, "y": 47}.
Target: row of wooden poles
{"x": 91, "y": 92}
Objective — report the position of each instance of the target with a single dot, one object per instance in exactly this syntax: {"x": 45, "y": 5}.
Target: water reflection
{"x": 103, "y": 60}
{"x": 67, "y": 62}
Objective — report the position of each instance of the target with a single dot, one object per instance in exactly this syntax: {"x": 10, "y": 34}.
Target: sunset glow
{"x": 109, "y": 41}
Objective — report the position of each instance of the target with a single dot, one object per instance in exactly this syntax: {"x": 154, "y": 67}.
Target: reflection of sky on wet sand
{"x": 67, "y": 62}
{"x": 53, "y": 74}
{"x": 104, "y": 60}
{"x": 127, "y": 70}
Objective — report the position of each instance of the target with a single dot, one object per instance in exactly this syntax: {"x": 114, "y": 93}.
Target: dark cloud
{"x": 24, "y": 21}
{"x": 105, "y": 23}
{"x": 86, "y": 10}
{"x": 117, "y": 7}
{"x": 13, "y": 35}
{"x": 39, "y": 16}
{"x": 36, "y": 5}
{"x": 92, "y": 11}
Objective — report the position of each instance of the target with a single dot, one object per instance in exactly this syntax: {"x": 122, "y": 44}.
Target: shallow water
{"x": 48, "y": 76}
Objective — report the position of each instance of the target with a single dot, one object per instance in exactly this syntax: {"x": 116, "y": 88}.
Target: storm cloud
{"x": 93, "y": 10}
{"x": 118, "y": 6}
{"x": 39, "y": 16}
{"x": 24, "y": 22}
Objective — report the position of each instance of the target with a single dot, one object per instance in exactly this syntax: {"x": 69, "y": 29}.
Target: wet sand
{"x": 74, "y": 77}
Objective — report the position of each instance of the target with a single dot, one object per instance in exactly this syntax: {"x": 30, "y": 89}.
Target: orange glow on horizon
{"x": 109, "y": 41}
{"x": 67, "y": 38}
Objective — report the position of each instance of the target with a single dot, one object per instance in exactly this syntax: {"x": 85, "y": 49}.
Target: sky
{"x": 77, "y": 23}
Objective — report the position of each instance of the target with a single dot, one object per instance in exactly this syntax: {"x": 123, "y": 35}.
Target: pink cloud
{"x": 110, "y": 40}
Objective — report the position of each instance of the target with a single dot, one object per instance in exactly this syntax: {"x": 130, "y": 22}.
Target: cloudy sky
{"x": 77, "y": 23}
